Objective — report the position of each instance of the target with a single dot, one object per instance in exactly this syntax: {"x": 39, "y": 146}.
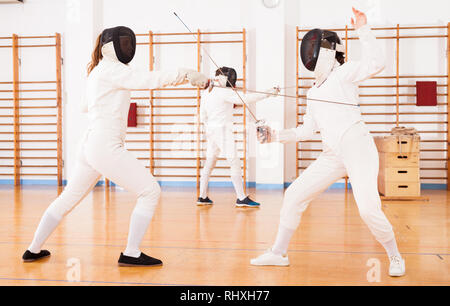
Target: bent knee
{"x": 293, "y": 208}
{"x": 152, "y": 191}
{"x": 295, "y": 198}
{"x": 207, "y": 169}
{"x": 235, "y": 166}
{"x": 368, "y": 214}
{"x": 66, "y": 201}
{"x": 148, "y": 199}
{"x": 293, "y": 204}
{"x": 58, "y": 211}
{"x": 291, "y": 213}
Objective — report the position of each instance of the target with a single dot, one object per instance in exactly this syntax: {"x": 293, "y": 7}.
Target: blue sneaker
{"x": 247, "y": 202}
{"x": 204, "y": 201}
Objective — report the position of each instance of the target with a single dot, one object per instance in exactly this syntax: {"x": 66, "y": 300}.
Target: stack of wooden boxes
{"x": 399, "y": 174}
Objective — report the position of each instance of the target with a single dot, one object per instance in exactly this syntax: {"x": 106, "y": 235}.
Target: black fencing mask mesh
{"x": 311, "y": 44}
{"x": 124, "y": 41}
{"x": 230, "y": 73}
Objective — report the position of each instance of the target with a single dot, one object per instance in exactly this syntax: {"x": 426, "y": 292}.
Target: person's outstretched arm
{"x": 126, "y": 77}
{"x": 373, "y": 59}
{"x": 303, "y": 132}
{"x": 250, "y": 98}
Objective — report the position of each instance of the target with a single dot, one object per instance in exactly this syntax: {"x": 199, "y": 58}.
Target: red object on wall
{"x": 132, "y": 115}
{"x": 426, "y": 93}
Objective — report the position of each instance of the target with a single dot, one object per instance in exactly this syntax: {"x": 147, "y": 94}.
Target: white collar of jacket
{"x": 321, "y": 73}
{"x": 109, "y": 53}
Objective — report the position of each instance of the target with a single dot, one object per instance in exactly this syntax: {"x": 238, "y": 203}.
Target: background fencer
{"x": 102, "y": 149}
{"x": 348, "y": 147}
{"x": 216, "y": 112}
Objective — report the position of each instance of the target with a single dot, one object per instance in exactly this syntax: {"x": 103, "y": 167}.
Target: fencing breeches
{"x": 222, "y": 143}
{"x": 358, "y": 158}
{"x": 103, "y": 153}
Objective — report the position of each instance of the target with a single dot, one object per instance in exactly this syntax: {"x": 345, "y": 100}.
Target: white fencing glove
{"x": 198, "y": 79}
{"x": 264, "y": 133}
{"x": 194, "y": 77}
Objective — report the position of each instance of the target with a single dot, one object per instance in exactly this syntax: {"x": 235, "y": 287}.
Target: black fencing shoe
{"x": 29, "y": 257}
{"x": 204, "y": 201}
{"x": 247, "y": 202}
{"x": 142, "y": 261}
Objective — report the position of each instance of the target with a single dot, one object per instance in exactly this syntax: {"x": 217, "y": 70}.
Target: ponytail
{"x": 96, "y": 56}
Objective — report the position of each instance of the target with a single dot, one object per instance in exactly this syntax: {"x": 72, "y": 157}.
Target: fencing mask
{"x": 230, "y": 73}
{"x": 319, "y": 51}
{"x": 124, "y": 42}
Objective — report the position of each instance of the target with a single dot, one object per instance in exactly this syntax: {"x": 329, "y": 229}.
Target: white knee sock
{"x": 236, "y": 177}
{"x": 205, "y": 175}
{"x": 204, "y": 180}
{"x": 391, "y": 248}
{"x": 238, "y": 186}
{"x": 46, "y": 226}
{"x": 138, "y": 226}
{"x": 140, "y": 219}
{"x": 281, "y": 244}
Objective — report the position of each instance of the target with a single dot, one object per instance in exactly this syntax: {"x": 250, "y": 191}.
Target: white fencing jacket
{"x": 333, "y": 120}
{"x": 108, "y": 89}
{"x": 216, "y": 109}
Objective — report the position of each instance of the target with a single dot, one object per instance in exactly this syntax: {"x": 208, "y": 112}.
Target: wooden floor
{"x": 213, "y": 246}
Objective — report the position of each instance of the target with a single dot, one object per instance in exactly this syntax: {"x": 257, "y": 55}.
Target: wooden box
{"x": 396, "y": 144}
{"x": 399, "y": 160}
{"x": 399, "y": 174}
{"x": 399, "y": 189}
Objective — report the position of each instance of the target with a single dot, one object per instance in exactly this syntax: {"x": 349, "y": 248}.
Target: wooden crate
{"x": 396, "y": 144}
{"x": 399, "y": 189}
{"x": 399, "y": 174}
{"x": 399, "y": 160}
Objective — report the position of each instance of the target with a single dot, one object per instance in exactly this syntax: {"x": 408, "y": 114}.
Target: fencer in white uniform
{"x": 216, "y": 113}
{"x": 102, "y": 150}
{"x": 348, "y": 149}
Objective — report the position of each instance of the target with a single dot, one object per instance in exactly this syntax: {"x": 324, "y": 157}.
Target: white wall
{"x": 271, "y": 47}
{"x": 36, "y": 64}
